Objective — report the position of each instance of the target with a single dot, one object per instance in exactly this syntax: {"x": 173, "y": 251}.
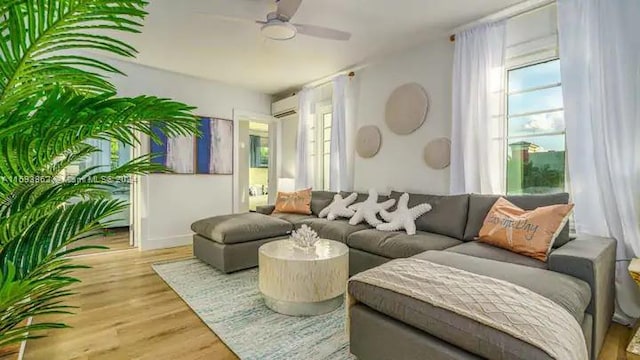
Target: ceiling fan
{"x": 278, "y": 26}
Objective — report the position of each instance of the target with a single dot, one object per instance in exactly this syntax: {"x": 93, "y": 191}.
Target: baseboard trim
{"x": 168, "y": 242}
{"x": 23, "y": 344}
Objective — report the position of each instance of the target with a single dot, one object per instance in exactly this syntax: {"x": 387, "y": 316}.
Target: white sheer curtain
{"x": 124, "y": 153}
{"x": 100, "y": 158}
{"x": 342, "y": 133}
{"x": 600, "y": 63}
{"x": 477, "y": 149}
{"x": 304, "y": 164}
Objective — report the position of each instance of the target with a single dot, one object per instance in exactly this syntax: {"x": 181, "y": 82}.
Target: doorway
{"x": 258, "y": 164}
{"x": 255, "y": 174}
{"x": 117, "y": 228}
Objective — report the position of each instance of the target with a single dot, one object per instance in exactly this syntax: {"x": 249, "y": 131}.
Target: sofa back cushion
{"x": 363, "y": 196}
{"x": 448, "y": 215}
{"x": 320, "y": 200}
{"x": 479, "y": 206}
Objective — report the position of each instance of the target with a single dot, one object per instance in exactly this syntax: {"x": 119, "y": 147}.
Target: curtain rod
{"x": 351, "y": 73}
{"x": 508, "y": 13}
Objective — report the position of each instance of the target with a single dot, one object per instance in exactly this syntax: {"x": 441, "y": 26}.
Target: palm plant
{"x": 55, "y": 95}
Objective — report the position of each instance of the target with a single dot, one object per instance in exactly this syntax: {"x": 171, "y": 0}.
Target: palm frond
{"x": 54, "y": 97}
{"x": 43, "y": 239}
{"x": 41, "y": 39}
{"x": 51, "y": 134}
{"x": 35, "y": 272}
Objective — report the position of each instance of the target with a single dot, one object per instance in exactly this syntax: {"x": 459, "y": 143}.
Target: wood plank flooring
{"x": 10, "y": 352}
{"x": 126, "y": 311}
{"x": 615, "y": 344}
{"x": 114, "y": 239}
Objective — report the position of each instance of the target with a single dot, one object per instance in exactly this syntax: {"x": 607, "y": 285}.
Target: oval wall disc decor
{"x": 437, "y": 153}
{"x": 368, "y": 141}
{"x": 407, "y": 108}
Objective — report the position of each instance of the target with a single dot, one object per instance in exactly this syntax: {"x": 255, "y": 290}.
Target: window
{"x": 535, "y": 129}
{"x": 326, "y": 149}
{"x": 320, "y": 143}
{"x": 259, "y": 151}
{"x": 115, "y": 152}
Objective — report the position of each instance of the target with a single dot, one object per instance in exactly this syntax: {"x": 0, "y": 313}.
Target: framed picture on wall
{"x": 177, "y": 153}
{"x": 214, "y": 147}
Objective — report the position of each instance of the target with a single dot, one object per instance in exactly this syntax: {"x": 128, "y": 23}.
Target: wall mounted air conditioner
{"x": 285, "y": 107}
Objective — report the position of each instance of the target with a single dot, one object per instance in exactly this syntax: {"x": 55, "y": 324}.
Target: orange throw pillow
{"x": 529, "y": 233}
{"x": 298, "y": 202}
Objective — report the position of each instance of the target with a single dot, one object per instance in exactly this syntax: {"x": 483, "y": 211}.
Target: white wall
{"x": 399, "y": 165}
{"x": 170, "y": 203}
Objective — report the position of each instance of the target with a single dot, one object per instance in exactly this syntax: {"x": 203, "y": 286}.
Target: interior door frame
{"x": 135, "y": 195}
{"x": 245, "y": 115}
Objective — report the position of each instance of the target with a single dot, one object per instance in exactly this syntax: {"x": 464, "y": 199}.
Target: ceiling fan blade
{"x": 322, "y": 32}
{"x": 287, "y": 8}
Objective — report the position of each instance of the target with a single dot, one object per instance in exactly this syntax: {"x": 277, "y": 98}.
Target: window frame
{"x": 317, "y": 141}
{"x": 515, "y": 65}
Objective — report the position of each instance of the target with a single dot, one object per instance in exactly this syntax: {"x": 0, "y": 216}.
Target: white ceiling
{"x": 185, "y": 37}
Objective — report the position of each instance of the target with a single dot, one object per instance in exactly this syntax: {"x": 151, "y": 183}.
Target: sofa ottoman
{"x": 230, "y": 242}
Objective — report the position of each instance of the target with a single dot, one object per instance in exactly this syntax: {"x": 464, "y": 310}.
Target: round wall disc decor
{"x": 368, "y": 141}
{"x": 407, "y": 108}
{"x": 437, "y": 153}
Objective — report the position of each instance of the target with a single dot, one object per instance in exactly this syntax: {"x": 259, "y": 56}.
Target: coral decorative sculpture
{"x": 403, "y": 217}
{"x": 305, "y": 237}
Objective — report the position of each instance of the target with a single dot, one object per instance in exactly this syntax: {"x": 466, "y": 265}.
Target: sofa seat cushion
{"x": 338, "y": 230}
{"x": 238, "y": 228}
{"x": 458, "y": 330}
{"x": 448, "y": 215}
{"x": 569, "y": 292}
{"x": 295, "y": 219}
{"x": 368, "y": 240}
{"x": 486, "y": 251}
{"x": 398, "y": 244}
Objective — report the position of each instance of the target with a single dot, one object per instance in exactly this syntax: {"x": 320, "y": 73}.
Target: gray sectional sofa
{"x": 579, "y": 274}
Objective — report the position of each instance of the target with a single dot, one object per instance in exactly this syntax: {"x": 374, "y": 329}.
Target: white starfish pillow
{"x": 368, "y": 210}
{"x": 403, "y": 217}
{"x": 339, "y": 207}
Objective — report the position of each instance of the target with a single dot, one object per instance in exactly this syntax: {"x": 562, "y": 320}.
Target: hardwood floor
{"x": 114, "y": 239}
{"x": 10, "y": 352}
{"x": 615, "y": 344}
{"x": 126, "y": 311}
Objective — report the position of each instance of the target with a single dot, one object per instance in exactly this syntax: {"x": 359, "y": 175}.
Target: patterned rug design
{"x": 232, "y": 307}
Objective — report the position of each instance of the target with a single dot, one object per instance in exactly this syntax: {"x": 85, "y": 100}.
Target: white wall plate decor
{"x": 368, "y": 141}
{"x": 407, "y": 108}
{"x": 437, "y": 153}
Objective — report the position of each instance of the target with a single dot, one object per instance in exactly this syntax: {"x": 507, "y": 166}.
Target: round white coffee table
{"x": 298, "y": 282}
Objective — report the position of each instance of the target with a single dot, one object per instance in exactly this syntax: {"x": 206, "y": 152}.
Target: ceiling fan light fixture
{"x": 278, "y": 30}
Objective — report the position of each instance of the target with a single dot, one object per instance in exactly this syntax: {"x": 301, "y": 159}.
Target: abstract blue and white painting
{"x": 214, "y": 148}
{"x": 177, "y": 153}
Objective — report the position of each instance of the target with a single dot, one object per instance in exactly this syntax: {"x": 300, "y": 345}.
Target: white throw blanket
{"x": 501, "y": 305}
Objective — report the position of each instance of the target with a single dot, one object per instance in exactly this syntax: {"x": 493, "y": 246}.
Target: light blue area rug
{"x": 231, "y": 305}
